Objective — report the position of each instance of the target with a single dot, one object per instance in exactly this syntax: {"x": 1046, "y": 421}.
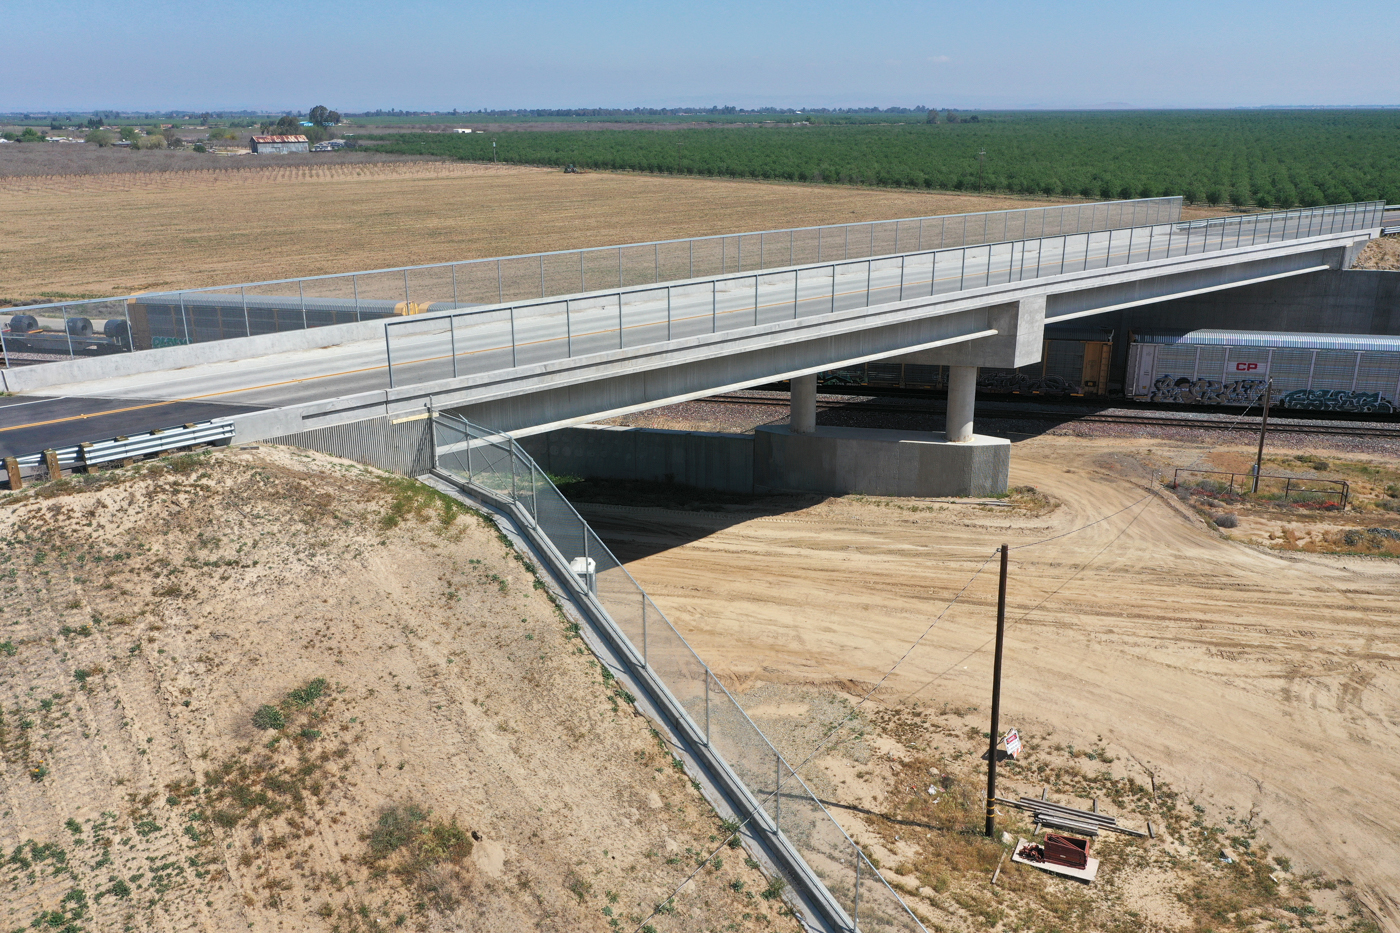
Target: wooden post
{"x": 996, "y": 700}
{"x": 51, "y": 461}
{"x": 1263, "y": 429}
{"x": 12, "y": 468}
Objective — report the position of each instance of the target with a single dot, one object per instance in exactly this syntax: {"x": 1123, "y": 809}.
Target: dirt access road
{"x": 1264, "y": 685}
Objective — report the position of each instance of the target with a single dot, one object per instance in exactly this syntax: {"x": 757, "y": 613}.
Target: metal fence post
{"x": 901, "y": 275}
{"x": 714, "y": 307}
{"x": 846, "y": 250}
{"x": 668, "y": 312}
{"x": 755, "y": 301}
{"x": 501, "y": 286}
{"x": 855, "y": 902}
{"x": 541, "y": 276}
{"x": 619, "y": 320}
{"x": 795, "y": 277}
{"x": 452, "y": 338}
{"x": 355, "y": 285}
{"x": 568, "y": 331}
{"x": 184, "y": 321}
{"x": 454, "y": 283}
{"x": 777, "y": 790}
{"x": 792, "y": 261}
{"x": 248, "y": 328}
{"x": 512, "y": 335}
{"x": 692, "y": 259}
{"x": 534, "y": 494}
{"x": 619, "y": 265}
{"x": 582, "y": 282}
{"x": 5, "y": 351}
{"x": 707, "y": 705}
{"x": 644, "y": 631}
{"x": 869, "y": 271}
{"x": 301, "y": 296}
{"x": 656, "y": 258}
{"x": 388, "y": 357}
{"x": 406, "y": 296}
{"x": 761, "y": 263}
{"x": 68, "y": 331}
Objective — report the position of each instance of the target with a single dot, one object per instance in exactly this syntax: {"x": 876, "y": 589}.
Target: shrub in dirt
{"x": 1321, "y": 465}
{"x": 425, "y": 852}
{"x": 269, "y": 717}
{"x": 1225, "y": 520}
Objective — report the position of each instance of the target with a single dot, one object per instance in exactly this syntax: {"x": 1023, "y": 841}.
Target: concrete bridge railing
{"x": 450, "y": 345}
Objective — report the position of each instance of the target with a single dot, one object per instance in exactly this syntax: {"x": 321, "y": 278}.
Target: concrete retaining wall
{"x": 839, "y": 461}
{"x": 405, "y": 447}
{"x": 693, "y": 458}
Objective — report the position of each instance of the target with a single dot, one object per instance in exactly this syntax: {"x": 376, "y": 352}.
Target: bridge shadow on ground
{"x": 637, "y": 519}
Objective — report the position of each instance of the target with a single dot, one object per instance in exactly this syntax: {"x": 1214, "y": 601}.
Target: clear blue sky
{"x": 356, "y": 55}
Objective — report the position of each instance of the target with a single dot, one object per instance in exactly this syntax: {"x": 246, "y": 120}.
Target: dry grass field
{"x": 96, "y": 235}
{"x": 268, "y": 690}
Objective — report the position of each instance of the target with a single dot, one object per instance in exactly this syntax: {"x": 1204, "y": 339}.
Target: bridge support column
{"x": 962, "y": 398}
{"x": 803, "y": 401}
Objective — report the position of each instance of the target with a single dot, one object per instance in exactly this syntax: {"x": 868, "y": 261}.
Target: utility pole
{"x": 996, "y": 700}
{"x": 981, "y": 154}
{"x": 1263, "y": 427}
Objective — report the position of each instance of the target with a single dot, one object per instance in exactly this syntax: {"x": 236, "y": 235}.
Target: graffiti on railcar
{"x": 1010, "y": 381}
{"x": 1337, "y": 400}
{"x": 1171, "y": 388}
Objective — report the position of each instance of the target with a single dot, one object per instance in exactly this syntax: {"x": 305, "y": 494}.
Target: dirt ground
{"x": 1382, "y": 253}
{"x": 262, "y": 689}
{"x": 1261, "y": 685}
{"x": 86, "y": 235}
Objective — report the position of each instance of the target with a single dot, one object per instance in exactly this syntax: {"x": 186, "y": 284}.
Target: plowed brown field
{"x": 98, "y": 235}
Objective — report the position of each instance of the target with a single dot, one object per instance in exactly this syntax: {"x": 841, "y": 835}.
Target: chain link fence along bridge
{"x": 454, "y": 344}
{"x": 69, "y": 329}
{"x": 781, "y": 805}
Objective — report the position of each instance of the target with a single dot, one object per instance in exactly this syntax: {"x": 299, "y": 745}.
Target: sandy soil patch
{"x": 1264, "y": 687}
{"x": 1382, "y": 253}
{"x": 265, "y": 690}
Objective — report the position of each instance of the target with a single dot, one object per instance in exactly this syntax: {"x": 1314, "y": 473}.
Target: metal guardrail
{"x": 457, "y": 343}
{"x": 782, "y": 805}
{"x": 532, "y": 275}
{"x": 132, "y": 447}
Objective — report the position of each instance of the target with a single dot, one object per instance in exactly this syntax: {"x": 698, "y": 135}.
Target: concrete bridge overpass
{"x": 531, "y": 367}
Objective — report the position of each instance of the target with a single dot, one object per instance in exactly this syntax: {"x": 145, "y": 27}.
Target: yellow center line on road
{"x": 188, "y": 398}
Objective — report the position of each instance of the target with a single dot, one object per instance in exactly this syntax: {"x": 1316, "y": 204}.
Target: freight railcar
{"x": 1314, "y": 372}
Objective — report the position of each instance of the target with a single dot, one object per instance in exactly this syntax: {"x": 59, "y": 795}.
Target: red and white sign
{"x": 1013, "y": 743}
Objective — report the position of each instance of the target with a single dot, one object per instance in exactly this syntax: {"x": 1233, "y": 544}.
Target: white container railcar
{"x": 1317, "y": 372}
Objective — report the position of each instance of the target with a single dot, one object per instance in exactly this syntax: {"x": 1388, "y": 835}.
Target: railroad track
{"x": 1277, "y": 426}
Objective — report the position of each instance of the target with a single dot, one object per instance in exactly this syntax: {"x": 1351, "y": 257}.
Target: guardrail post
{"x": 17, "y": 482}
{"x": 51, "y": 463}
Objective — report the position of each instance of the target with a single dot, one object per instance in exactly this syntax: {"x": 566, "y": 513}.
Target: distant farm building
{"x": 460, "y": 130}
{"x": 260, "y": 144}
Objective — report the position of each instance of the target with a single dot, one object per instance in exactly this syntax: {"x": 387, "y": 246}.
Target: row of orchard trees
{"x": 1247, "y": 158}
